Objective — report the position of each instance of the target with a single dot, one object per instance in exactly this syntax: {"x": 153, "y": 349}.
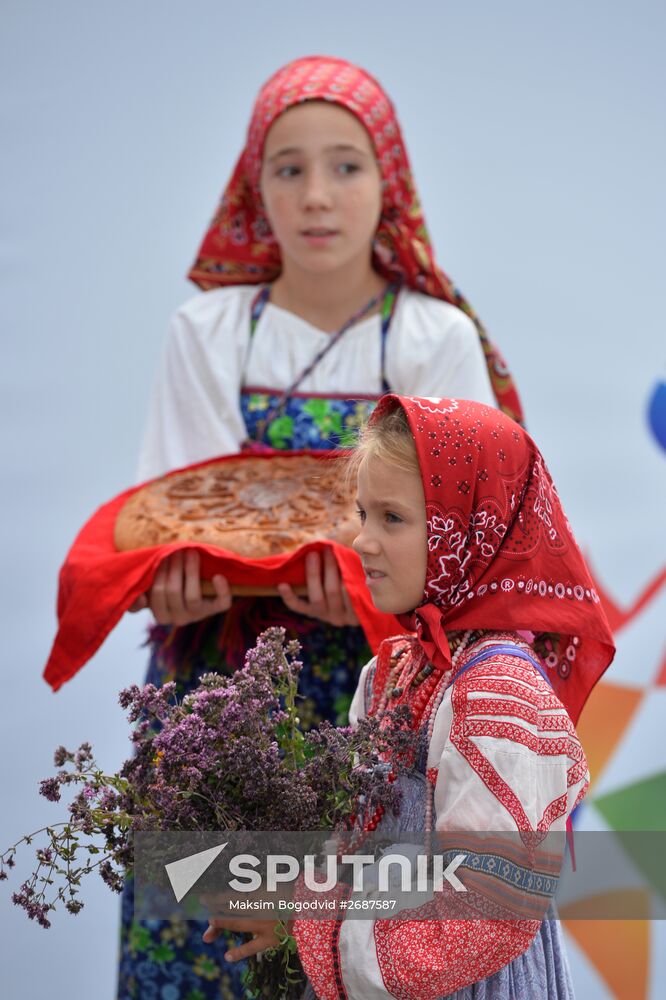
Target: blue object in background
{"x": 657, "y": 413}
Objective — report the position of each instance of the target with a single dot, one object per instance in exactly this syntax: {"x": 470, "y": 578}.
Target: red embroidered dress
{"x": 502, "y": 752}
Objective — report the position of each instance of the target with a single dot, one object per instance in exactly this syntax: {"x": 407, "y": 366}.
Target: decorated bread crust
{"x": 251, "y": 505}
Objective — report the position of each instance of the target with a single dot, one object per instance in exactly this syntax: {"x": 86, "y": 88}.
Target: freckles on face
{"x": 392, "y": 541}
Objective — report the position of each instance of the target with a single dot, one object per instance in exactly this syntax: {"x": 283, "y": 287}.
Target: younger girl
{"x": 464, "y": 537}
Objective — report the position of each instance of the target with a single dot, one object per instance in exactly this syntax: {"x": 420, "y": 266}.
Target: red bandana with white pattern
{"x": 501, "y": 552}
{"x": 239, "y": 247}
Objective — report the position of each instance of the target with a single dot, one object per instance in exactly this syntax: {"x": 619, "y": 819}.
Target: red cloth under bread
{"x": 98, "y": 583}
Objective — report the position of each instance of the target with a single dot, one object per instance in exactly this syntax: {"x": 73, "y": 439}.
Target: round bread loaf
{"x": 251, "y": 505}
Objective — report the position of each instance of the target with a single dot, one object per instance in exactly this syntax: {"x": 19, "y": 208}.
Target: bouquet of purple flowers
{"x": 230, "y": 756}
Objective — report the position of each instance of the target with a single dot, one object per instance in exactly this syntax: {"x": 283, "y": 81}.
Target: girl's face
{"x": 393, "y": 542}
{"x": 321, "y": 187}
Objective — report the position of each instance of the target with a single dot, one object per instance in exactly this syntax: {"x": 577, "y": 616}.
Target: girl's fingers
{"x": 175, "y": 585}
{"x": 192, "y": 581}
{"x": 260, "y": 942}
{"x": 211, "y": 934}
{"x": 229, "y": 924}
{"x": 328, "y": 599}
{"x": 263, "y": 936}
{"x": 333, "y": 585}
{"x": 158, "y": 599}
{"x": 175, "y": 597}
{"x": 313, "y": 574}
{"x": 223, "y": 599}
{"x": 293, "y": 602}
{"x": 315, "y": 606}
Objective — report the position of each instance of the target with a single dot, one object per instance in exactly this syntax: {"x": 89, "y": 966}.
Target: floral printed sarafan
{"x": 501, "y": 554}
{"x": 239, "y": 247}
{"x": 306, "y": 421}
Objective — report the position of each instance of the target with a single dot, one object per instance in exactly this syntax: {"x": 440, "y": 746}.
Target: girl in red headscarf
{"x": 463, "y": 536}
{"x": 321, "y": 294}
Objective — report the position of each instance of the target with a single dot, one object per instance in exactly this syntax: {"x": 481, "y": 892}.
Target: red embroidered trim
{"x": 423, "y": 959}
{"x": 513, "y": 680}
{"x": 497, "y": 706}
{"x": 551, "y": 747}
{"x": 577, "y": 772}
{"x": 317, "y": 945}
{"x": 552, "y": 812}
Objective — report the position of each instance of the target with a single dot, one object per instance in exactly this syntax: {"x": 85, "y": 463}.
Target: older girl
{"x": 322, "y": 294}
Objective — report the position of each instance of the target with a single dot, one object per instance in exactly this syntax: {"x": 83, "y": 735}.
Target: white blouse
{"x": 432, "y": 349}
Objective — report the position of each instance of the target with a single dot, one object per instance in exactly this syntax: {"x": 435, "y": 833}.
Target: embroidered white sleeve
{"x": 505, "y": 757}
{"x": 507, "y": 754}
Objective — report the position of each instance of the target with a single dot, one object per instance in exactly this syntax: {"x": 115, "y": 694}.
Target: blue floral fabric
{"x": 305, "y": 421}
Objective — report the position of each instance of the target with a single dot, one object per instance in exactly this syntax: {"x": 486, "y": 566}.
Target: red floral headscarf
{"x": 501, "y": 554}
{"x": 239, "y": 247}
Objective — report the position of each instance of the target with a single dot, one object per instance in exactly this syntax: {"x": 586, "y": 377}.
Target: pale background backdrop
{"x": 536, "y": 134}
